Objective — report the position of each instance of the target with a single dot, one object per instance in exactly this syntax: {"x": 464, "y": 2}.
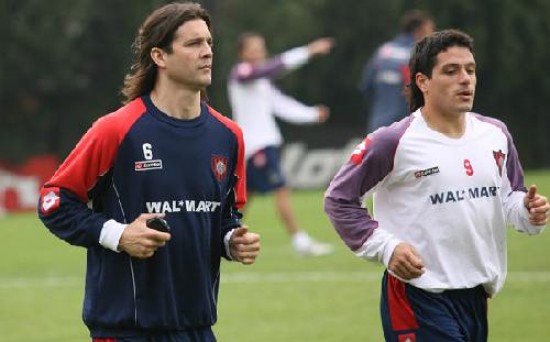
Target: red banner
{"x": 20, "y": 184}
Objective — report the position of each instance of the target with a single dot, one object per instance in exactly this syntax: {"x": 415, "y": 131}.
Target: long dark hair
{"x": 424, "y": 58}
{"x": 157, "y": 31}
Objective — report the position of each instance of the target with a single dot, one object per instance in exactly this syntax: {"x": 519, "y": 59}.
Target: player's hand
{"x": 320, "y": 46}
{"x": 405, "y": 262}
{"x": 139, "y": 241}
{"x": 538, "y": 207}
{"x": 324, "y": 113}
{"x": 244, "y": 246}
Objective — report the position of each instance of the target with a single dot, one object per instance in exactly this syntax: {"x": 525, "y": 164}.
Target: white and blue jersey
{"x": 450, "y": 198}
{"x": 139, "y": 160}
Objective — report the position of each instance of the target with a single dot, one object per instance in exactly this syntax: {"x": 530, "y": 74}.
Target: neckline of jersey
{"x": 160, "y": 115}
{"x": 444, "y": 138}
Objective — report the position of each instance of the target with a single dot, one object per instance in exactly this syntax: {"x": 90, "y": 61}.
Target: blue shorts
{"x": 412, "y": 314}
{"x": 202, "y": 335}
{"x": 263, "y": 171}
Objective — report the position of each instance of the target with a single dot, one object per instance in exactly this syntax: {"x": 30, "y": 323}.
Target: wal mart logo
{"x": 147, "y": 165}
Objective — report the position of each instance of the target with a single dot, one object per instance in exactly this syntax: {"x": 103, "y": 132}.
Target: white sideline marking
{"x": 251, "y": 277}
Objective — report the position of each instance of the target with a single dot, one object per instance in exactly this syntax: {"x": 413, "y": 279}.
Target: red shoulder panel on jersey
{"x": 95, "y": 153}
{"x": 240, "y": 187}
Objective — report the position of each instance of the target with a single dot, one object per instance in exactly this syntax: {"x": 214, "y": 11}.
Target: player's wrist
{"x": 111, "y": 234}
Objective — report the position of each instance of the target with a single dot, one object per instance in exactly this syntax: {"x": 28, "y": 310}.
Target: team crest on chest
{"x": 499, "y": 159}
{"x": 219, "y": 167}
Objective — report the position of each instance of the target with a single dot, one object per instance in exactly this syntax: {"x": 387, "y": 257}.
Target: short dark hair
{"x": 414, "y": 19}
{"x": 424, "y": 57}
{"x": 157, "y": 31}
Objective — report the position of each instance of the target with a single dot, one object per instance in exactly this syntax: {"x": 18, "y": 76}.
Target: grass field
{"x": 281, "y": 298}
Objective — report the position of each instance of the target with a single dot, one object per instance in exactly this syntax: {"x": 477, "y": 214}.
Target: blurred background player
{"x": 165, "y": 153}
{"x": 386, "y": 73}
{"x": 255, "y": 102}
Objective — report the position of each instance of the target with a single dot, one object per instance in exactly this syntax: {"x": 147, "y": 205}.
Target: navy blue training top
{"x": 138, "y": 160}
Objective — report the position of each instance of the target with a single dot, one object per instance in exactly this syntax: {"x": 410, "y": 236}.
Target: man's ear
{"x": 158, "y": 56}
{"x": 422, "y": 82}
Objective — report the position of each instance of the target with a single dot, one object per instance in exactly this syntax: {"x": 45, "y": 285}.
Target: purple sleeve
{"x": 245, "y": 71}
{"x": 513, "y": 165}
{"x": 369, "y": 164}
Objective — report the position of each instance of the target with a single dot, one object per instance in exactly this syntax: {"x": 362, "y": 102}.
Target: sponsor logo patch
{"x": 49, "y": 200}
{"x": 426, "y": 172}
{"x": 147, "y": 165}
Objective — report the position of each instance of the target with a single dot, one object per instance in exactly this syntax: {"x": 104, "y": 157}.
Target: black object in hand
{"x": 159, "y": 224}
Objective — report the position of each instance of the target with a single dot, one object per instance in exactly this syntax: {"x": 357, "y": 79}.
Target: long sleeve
{"x": 291, "y": 110}
{"x": 235, "y": 198}
{"x": 370, "y": 163}
{"x": 63, "y": 202}
{"x": 70, "y": 219}
{"x": 287, "y": 61}
{"x": 514, "y": 191}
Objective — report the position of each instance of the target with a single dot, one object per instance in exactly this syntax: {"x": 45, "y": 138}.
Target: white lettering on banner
{"x": 313, "y": 168}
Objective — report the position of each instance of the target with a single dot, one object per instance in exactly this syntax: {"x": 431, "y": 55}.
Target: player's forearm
{"x": 70, "y": 219}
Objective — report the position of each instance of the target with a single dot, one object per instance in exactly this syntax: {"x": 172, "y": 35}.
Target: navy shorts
{"x": 195, "y": 335}
{"x": 263, "y": 171}
{"x": 412, "y": 314}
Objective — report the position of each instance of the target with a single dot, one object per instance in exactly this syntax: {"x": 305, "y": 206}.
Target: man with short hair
{"x": 445, "y": 184}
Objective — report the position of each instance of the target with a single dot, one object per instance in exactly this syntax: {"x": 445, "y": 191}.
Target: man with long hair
{"x": 446, "y": 182}
{"x": 164, "y": 177}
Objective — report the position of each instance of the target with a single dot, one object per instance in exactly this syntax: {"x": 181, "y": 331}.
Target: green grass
{"x": 281, "y": 298}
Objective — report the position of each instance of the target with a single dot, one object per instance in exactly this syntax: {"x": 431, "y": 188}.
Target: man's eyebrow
{"x": 457, "y": 64}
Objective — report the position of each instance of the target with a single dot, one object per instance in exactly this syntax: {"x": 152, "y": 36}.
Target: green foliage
{"x": 281, "y": 298}
{"x": 64, "y": 61}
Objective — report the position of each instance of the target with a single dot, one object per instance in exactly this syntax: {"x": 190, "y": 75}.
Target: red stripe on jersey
{"x": 108, "y": 339}
{"x": 401, "y": 313}
{"x": 95, "y": 153}
{"x": 240, "y": 187}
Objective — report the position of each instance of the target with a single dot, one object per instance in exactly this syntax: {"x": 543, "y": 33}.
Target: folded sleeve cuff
{"x": 226, "y": 240}
{"x": 110, "y": 234}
